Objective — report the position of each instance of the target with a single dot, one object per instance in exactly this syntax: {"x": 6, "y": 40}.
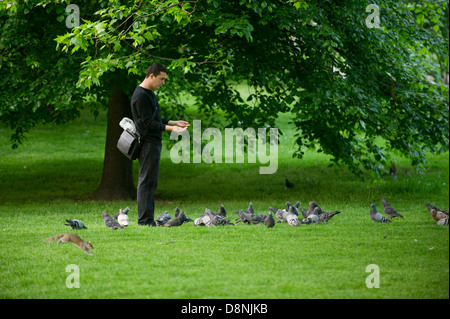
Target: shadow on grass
{"x": 42, "y": 180}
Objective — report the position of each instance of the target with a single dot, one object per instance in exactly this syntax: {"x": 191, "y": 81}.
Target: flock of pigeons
{"x": 293, "y": 215}
{"x": 439, "y": 215}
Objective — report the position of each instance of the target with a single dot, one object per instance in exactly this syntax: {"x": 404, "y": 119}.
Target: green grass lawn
{"x": 50, "y": 177}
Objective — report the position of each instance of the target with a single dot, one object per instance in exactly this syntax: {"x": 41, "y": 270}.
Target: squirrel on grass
{"x": 85, "y": 246}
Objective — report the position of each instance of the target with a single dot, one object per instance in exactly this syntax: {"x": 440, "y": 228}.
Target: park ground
{"x": 50, "y": 177}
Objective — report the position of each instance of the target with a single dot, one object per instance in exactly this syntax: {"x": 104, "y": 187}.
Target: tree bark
{"x": 117, "y": 177}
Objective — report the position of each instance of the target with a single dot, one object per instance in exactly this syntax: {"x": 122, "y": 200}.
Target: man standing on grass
{"x": 150, "y": 125}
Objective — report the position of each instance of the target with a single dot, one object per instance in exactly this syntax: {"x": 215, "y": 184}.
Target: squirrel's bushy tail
{"x": 54, "y": 237}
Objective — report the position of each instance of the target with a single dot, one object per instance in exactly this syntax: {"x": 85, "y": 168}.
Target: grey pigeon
{"x": 254, "y": 219}
{"x": 292, "y": 208}
{"x": 75, "y": 224}
{"x": 312, "y": 206}
{"x": 110, "y": 222}
{"x": 215, "y": 220}
{"x": 376, "y": 216}
{"x": 443, "y": 222}
{"x": 325, "y": 217}
{"x": 305, "y": 213}
{"x": 242, "y": 217}
{"x": 390, "y": 211}
{"x": 281, "y": 215}
{"x": 250, "y": 208}
{"x": 177, "y": 212}
{"x": 270, "y": 221}
{"x": 222, "y": 212}
{"x": 163, "y": 218}
{"x": 209, "y": 214}
{"x": 313, "y": 218}
{"x": 218, "y": 220}
{"x": 177, "y": 221}
{"x": 289, "y": 184}
{"x": 262, "y": 216}
{"x": 277, "y": 213}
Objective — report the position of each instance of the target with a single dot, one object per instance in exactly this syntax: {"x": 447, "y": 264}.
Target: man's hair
{"x": 156, "y": 69}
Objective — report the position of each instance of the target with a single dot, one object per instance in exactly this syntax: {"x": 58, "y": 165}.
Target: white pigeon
{"x": 122, "y": 219}
{"x": 292, "y": 219}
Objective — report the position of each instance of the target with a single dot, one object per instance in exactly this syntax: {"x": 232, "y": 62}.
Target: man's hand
{"x": 179, "y": 123}
{"x": 176, "y": 129}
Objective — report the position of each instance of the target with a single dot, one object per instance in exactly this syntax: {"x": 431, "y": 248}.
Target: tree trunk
{"x": 117, "y": 178}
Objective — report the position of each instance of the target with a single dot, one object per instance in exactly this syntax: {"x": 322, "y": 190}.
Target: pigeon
{"x": 187, "y": 219}
{"x": 203, "y": 220}
{"x": 270, "y": 221}
{"x": 430, "y": 207}
{"x": 254, "y": 219}
{"x": 389, "y": 211}
{"x": 443, "y": 221}
{"x": 215, "y": 220}
{"x": 313, "y": 218}
{"x": 312, "y": 206}
{"x": 177, "y": 221}
{"x": 242, "y": 217}
{"x": 206, "y": 219}
{"x": 250, "y": 208}
{"x": 305, "y": 213}
{"x": 289, "y": 184}
{"x": 278, "y": 213}
{"x": 376, "y": 216}
{"x": 75, "y": 224}
{"x": 281, "y": 215}
{"x": 209, "y": 214}
{"x": 292, "y": 219}
{"x": 125, "y": 210}
{"x": 262, "y": 216}
{"x": 222, "y": 212}
{"x": 437, "y": 215}
{"x": 292, "y": 208}
{"x": 123, "y": 219}
{"x": 325, "y": 217}
{"x": 218, "y": 220}
{"x": 163, "y": 218}
{"x": 199, "y": 221}
{"x": 110, "y": 222}
{"x": 393, "y": 170}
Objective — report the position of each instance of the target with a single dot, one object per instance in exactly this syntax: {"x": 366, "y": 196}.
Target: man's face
{"x": 159, "y": 80}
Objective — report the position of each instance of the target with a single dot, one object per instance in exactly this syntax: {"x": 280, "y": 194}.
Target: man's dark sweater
{"x": 144, "y": 104}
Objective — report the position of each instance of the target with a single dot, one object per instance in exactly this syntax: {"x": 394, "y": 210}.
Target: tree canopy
{"x": 349, "y": 73}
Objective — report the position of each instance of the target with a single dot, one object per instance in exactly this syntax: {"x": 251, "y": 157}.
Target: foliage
{"x": 346, "y": 84}
{"x": 38, "y": 82}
